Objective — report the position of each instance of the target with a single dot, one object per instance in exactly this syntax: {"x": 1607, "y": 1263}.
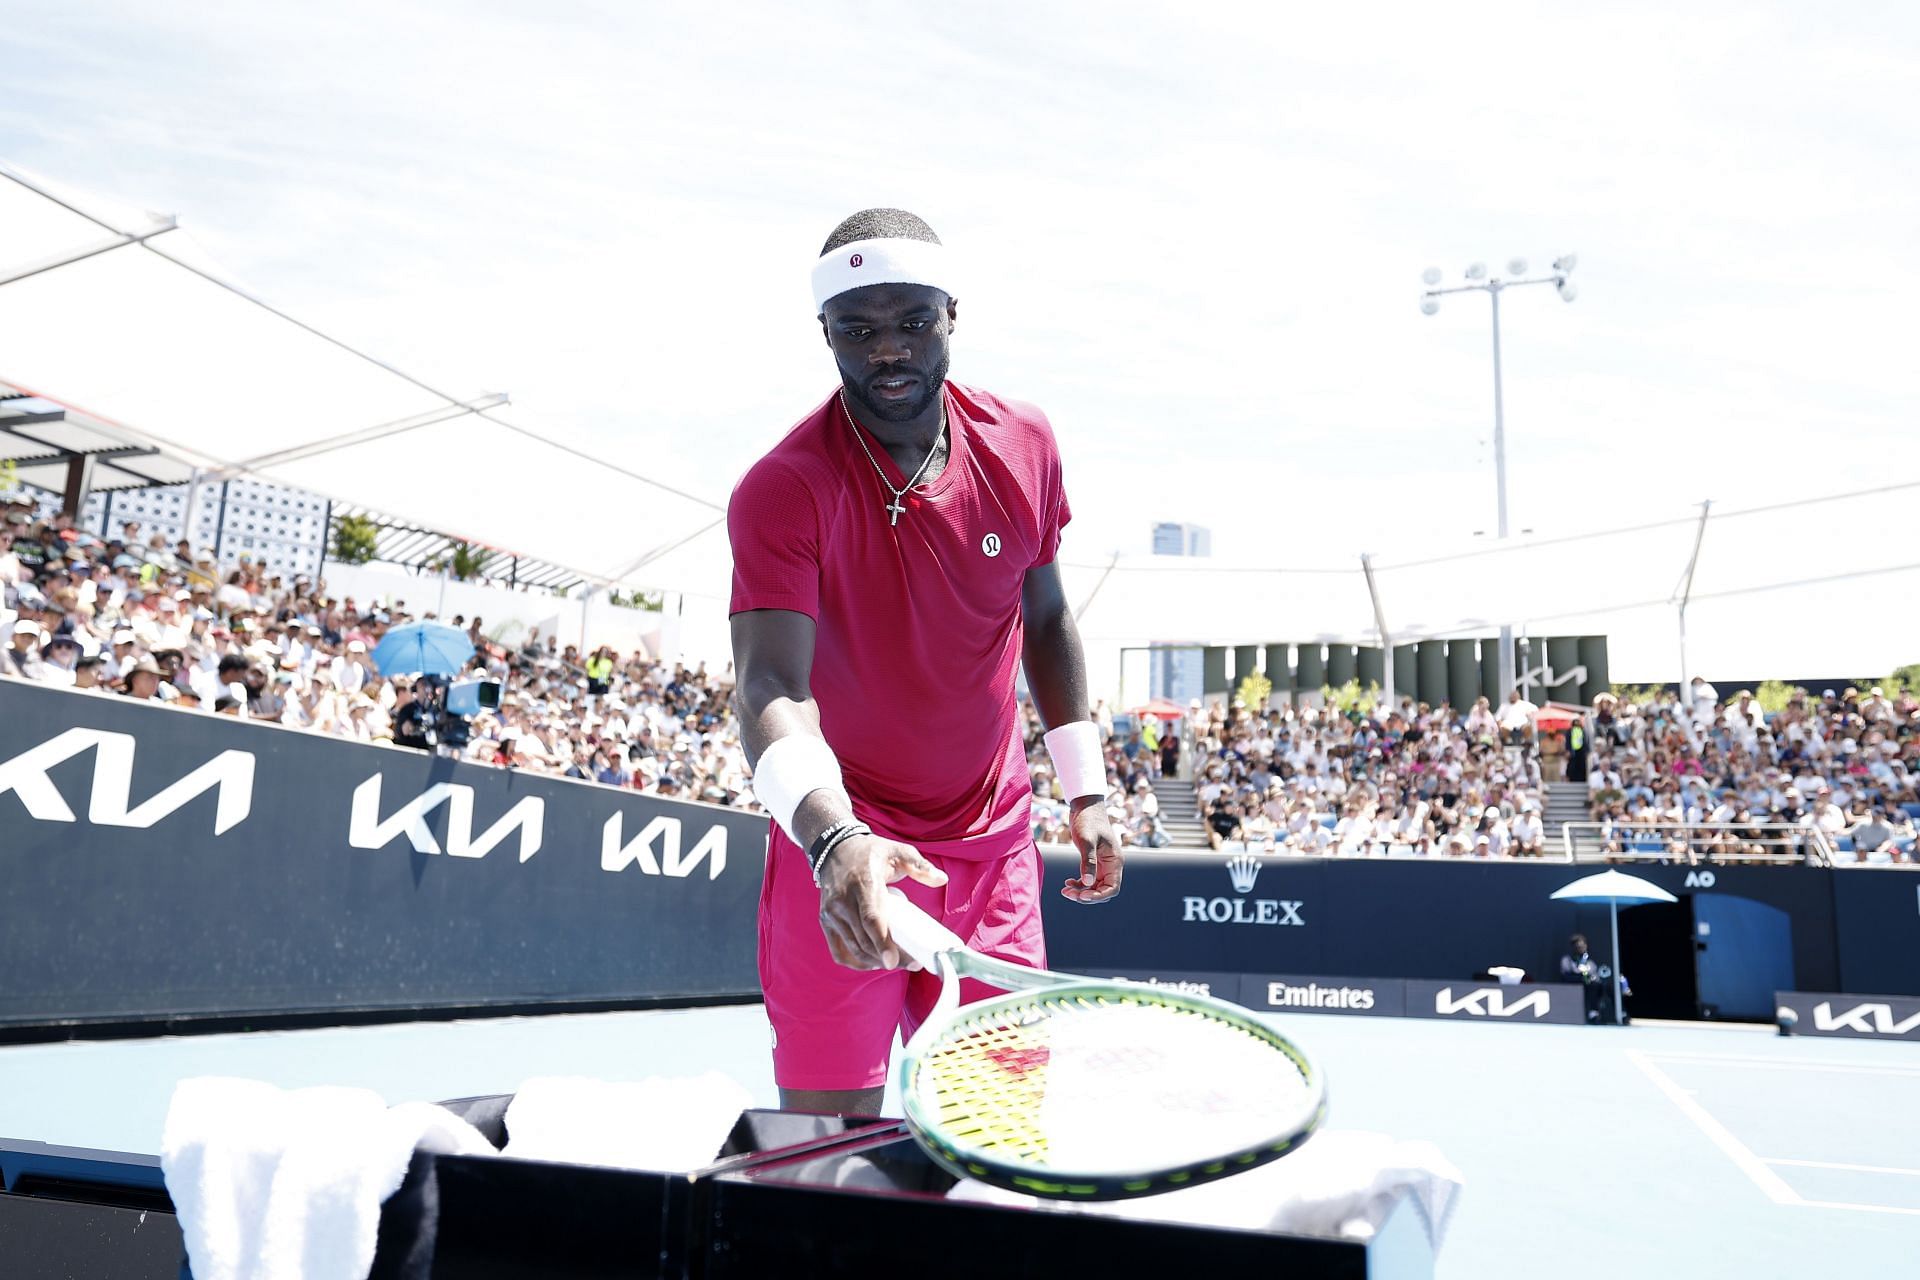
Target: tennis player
{"x": 893, "y": 561}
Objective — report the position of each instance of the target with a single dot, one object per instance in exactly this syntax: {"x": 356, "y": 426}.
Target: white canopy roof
{"x": 121, "y": 319}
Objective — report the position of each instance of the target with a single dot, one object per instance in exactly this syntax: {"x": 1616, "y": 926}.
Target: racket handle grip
{"x": 917, "y": 933}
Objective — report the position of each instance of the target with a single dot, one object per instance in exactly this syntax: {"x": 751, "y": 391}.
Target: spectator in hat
{"x": 58, "y": 658}
{"x": 23, "y": 650}
{"x": 143, "y": 681}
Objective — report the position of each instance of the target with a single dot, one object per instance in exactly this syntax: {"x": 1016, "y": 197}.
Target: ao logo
{"x": 1699, "y": 879}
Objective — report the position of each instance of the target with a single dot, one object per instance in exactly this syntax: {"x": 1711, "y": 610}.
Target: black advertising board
{"x": 1822, "y": 1013}
{"x": 159, "y": 864}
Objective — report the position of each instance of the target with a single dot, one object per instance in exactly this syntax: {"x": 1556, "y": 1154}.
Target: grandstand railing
{"x": 1782, "y": 843}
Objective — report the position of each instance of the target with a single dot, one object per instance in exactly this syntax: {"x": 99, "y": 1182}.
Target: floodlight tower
{"x": 1478, "y": 280}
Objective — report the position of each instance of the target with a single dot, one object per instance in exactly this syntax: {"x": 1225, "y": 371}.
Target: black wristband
{"x": 827, "y": 841}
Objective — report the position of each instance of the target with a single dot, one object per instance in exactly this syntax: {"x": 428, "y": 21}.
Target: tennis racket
{"x": 1080, "y": 1089}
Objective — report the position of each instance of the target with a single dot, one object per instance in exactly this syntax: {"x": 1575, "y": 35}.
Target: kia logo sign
{"x": 1819, "y": 1013}
{"x": 1491, "y": 1002}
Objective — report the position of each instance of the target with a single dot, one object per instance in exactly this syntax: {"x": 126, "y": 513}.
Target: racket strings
{"x": 1109, "y": 1081}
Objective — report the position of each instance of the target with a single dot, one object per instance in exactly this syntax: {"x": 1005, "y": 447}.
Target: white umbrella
{"x": 1613, "y": 888}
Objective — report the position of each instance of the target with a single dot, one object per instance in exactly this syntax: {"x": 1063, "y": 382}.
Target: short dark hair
{"x": 879, "y": 224}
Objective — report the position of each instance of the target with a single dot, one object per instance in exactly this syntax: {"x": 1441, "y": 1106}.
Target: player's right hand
{"x": 853, "y": 898}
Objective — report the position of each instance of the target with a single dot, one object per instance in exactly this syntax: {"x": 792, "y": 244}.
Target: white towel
{"x": 668, "y": 1125}
{"x": 1342, "y": 1183}
{"x": 272, "y": 1184}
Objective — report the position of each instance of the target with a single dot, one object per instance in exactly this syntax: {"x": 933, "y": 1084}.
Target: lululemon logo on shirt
{"x": 990, "y": 544}
{"x": 855, "y": 260}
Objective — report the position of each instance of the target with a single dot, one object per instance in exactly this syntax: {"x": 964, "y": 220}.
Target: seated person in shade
{"x": 1150, "y": 836}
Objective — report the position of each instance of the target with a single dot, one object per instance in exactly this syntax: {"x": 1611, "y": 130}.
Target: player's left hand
{"x": 1093, "y": 835}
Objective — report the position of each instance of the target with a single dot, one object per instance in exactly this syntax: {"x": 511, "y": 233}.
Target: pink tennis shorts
{"x": 833, "y": 1026}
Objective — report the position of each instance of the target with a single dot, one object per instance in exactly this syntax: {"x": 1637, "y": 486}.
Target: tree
{"x": 1773, "y": 696}
{"x": 467, "y": 561}
{"x": 651, "y": 601}
{"x": 354, "y": 539}
{"x": 1254, "y": 690}
{"x": 1350, "y": 699}
{"x": 1904, "y": 680}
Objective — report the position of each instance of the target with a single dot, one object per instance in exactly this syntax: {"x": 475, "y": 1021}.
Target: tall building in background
{"x": 1170, "y": 539}
{"x": 1176, "y": 673}
{"x": 284, "y": 528}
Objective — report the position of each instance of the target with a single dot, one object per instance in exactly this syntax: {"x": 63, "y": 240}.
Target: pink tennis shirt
{"x": 917, "y": 625}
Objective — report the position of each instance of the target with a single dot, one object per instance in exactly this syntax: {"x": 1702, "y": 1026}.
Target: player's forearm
{"x": 1056, "y": 669}
{"x": 770, "y": 710}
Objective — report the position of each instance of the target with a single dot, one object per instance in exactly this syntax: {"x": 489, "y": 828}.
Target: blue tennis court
{"x": 1643, "y": 1151}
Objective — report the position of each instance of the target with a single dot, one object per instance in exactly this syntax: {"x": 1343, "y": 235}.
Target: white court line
{"x": 1863, "y": 1208}
{"x": 1829, "y": 1164}
{"x": 1769, "y": 1182}
{"x": 1783, "y": 1064}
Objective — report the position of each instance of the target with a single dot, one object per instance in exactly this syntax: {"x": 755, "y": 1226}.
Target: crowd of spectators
{"x": 1693, "y": 778}
{"x": 1701, "y": 778}
{"x": 1409, "y": 779}
{"x": 144, "y": 619}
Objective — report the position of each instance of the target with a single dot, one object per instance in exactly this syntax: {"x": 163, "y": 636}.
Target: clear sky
{"x": 1195, "y": 233}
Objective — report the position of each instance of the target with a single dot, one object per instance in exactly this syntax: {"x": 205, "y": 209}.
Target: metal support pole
{"x": 1388, "y": 697}
{"x": 186, "y": 514}
{"x": 1686, "y": 594}
{"x": 1505, "y": 662}
{"x": 1619, "y": 1008}
{"x": 220, "y": 527}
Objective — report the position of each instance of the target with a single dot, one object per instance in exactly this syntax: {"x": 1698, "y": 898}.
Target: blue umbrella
{"x": 1613, "y": 888}
{"x": 423, "y": 648}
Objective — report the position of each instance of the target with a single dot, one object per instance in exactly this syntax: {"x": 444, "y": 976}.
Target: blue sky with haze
{"x": 1194, "y": 233}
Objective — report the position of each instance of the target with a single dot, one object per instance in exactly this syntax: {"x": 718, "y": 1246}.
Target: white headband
{"x": 886, "y": 261}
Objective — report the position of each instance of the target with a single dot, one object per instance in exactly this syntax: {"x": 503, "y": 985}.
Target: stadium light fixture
{"x": 1477, "y": 279}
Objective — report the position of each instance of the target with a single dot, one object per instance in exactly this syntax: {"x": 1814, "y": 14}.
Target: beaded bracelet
{"x": 832, "y": 838}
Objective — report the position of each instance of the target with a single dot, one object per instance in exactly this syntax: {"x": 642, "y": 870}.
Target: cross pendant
{"x": 896, "y": 508}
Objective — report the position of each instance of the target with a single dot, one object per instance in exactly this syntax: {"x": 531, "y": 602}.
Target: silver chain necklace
{"x": 895, "y": 507}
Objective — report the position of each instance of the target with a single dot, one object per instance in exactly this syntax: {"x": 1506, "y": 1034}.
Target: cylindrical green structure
{"x": 1312, "y": 668}
{"x": 1341, "y": 666}
{"x": 1593, "y": 656}
{"x": 1563, "y": 655}
{"x": 1433, "y": 671}
{"x": 1372, "y": 668}
{"x": 1490, "y": 672}
{"x": 1279, "y": 668}
{"x": 1213, "y": 670}
{"x": 1463, "y": 674}
{"x": 1406, "y": 672}
{"x": 1246, "y": 662}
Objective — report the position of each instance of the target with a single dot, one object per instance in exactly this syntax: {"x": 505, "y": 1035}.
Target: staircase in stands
{"x": 1567, "y": 802}
{"x": 1177, "y": 816}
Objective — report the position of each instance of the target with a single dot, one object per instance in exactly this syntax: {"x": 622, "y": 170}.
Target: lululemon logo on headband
{"x": 855, "y": 260}
{"x": 990, "y": 545}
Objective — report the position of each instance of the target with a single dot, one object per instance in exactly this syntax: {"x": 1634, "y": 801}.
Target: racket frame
{"x": 952, "y": 961}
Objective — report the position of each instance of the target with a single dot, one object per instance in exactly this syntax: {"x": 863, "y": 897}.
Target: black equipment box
{"x": 790, "y": 1194}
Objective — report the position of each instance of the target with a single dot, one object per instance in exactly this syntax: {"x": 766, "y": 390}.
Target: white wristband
{"x": 1077, "y": 759}
{"x": 790, "y": 770}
